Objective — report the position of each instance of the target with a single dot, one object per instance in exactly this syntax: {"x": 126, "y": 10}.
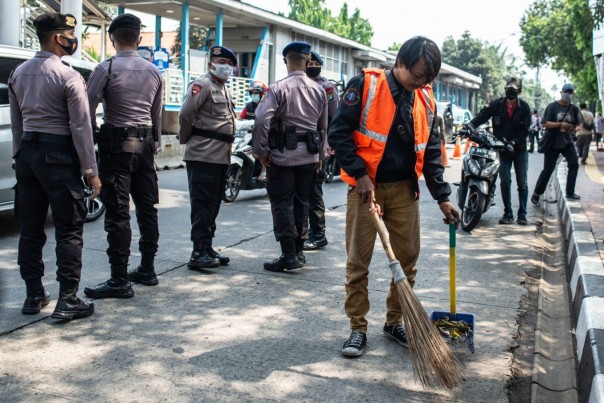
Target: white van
{"x": 11, "y": 57}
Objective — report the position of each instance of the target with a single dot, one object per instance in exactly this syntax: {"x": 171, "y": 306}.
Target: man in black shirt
{"x": 559, "y": 120}
{"x": 511, "y": 122}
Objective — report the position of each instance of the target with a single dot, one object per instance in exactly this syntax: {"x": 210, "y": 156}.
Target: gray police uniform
{"x": 316, "y": 211}
{"x": 53, "y": 148}
{"x": 131, "y": 90}
{"x": 207, "y": 128}
{"x": 301, "y": 103}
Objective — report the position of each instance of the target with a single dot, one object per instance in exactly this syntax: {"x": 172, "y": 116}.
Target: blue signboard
{"x": 158, "y": 56}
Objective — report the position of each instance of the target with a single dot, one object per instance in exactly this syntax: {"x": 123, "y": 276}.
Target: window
{"x": 6, "y": 66}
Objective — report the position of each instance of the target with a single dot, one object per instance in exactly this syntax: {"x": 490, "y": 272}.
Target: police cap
{"x": 315, "y": 57}
{"x": 298, "y": 47}
{"x": 54, "y": 22}
{"x": 221, "y": 51}
{"x": 129, "y": 21}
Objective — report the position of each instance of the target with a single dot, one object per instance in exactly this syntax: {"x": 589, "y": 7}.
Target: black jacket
{"x": 346, "y": 121}
{"x": 515, "y": 129}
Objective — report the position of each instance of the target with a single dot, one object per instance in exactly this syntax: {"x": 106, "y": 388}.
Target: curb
{"x": 586, "y": 273}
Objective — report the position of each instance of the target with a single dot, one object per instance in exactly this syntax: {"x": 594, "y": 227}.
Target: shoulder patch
{"x": 196, "y": 88}
{"x": 351, "y": 96}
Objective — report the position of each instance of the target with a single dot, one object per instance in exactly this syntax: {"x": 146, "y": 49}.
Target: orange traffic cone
{"x": 457, "y": 150}
{"x": 444, "y": 158}
{"x": 465, "y": 151}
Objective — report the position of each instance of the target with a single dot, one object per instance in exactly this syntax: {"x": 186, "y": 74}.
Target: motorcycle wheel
{"x": 330, "y": 167}
{"x": 233, "y": 183}
{"x": 472, "y": 212}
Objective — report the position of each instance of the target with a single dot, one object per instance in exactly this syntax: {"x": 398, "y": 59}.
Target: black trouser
{"x": 206, "y": 187}
{"x": 533, "y": 135}
{"x": 316, "y": 206}
{"x": 288, "y": 188}
{"x": 549, "y": 164}
{"x": 123, "y": 174}
{"x": 48, "y": 175}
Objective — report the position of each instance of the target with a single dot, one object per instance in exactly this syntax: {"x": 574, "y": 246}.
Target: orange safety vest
{"x": 376, "y": 120}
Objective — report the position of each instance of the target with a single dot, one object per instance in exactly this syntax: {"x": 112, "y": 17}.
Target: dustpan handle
{"x": 452, "y": 242}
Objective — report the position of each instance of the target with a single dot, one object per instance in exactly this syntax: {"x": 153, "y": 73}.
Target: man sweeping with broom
{"x": 383, "y": 141}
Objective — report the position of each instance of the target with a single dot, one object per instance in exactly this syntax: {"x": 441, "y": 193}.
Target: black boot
{"x": 112, "y": 288}
{"x": 200, "y": 258}
{"x": 143, "y": 275}
{"x": 69, "y": 306}
{"x": 224, "y": 260}
{"x": 287, "y": 261}
{"x": 318, "y": 241}
{"x": 300, "y": 250}
{"x": 34, "y": 303}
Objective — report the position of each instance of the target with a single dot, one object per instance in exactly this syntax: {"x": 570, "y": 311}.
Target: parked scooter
{"x": 478, "y": 175}
{"x": 330, "y": 165}
{"x": 244, "y": 172}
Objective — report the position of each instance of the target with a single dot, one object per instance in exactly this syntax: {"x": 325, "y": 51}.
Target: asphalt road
{"x": 242, "y": 333}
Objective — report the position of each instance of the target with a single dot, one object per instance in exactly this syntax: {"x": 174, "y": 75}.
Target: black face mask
{"x": 72, "y": 45}
{"x": 511, "y": 94}
{"x": 313, "y": 72}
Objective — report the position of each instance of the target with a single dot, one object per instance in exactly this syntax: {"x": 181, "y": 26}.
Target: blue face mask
{"x": 566, "y": 97}
{"x": 255, "y": 98}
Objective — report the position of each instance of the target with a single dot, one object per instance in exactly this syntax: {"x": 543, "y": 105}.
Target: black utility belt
{"x": 139, "y": 131}
{"x": 40, "y": 137}
{"x": 213, "y": 135}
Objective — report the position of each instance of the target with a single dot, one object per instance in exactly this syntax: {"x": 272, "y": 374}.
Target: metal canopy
{"x": 92, "y": 13}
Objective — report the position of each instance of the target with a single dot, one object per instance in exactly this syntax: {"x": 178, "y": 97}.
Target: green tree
{"x": 316, "y": 14}
{"x": 197, "y": 38}
{"x": 559, "y": 34}
{"x": 395, "y": 47}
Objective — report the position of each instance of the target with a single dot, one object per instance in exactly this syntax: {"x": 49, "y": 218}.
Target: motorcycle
{"x": 244, "y": 171}
{"x": 479, "y": 171}
{"x": 331, "y": 166}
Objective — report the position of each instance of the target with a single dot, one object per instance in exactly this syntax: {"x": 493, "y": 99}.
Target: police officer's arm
{"x": 344, "y": 123}
{"x": 16, "y": 118}
{"x": 266, "y": 110}
{"x": 322, "y": 125}
{"x": 156, "y": 109}
{"x": 79, "y": 120}
{"x": 197, "y": 95}
{"x": 96, "y": 90}
{"x": 333, "y": 100}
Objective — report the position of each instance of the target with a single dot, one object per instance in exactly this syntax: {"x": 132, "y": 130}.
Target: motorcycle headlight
{"x": 474, "y": 167}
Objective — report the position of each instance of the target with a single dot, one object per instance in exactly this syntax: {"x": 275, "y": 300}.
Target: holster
{"x": 313, "y": 141}
{"x": 105, "y": 138}
{"x": 275, "y": 135}
{"x": 291, "y": 139}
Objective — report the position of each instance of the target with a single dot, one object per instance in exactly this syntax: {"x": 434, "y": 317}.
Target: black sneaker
{"x": 574, "y": 196}
{"x": 506, "y": 220}
{"x": 396, "y": 333}
{"x": 522, "y": 221}
{"x": 110, "y": 289}
{"x": 355, "y": 345}
{"x": 72, "y": 308}
{"x": 34, "y": 304}
{"x": 535, "y": 199}
{"x": 143, "y": 276}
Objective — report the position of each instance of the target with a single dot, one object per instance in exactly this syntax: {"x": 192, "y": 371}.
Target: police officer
{"x": 316, "y": 212}
{"x": 131, "y": 90}
{"x": 257, "y": 89}
{"x": 52, "y": 148}
{"x": 292, "y": 150}
{"x": 207, "y": 128}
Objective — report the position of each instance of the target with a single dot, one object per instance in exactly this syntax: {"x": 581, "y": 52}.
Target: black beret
{"x": 315, "y": 57}
{"x": 221, "y": 51}
{"x": 298, "y": 47}
{"x": 55, "y": 22}
{"x": 125, "y": 21}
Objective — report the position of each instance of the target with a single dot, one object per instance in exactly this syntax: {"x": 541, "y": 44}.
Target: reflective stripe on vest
{"x": 377, "y": 118}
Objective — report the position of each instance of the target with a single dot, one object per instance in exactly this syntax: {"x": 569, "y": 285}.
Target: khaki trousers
{"x": 401, "y": 216}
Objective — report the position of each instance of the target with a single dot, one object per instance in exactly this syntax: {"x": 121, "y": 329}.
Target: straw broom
{"x": 432, "y": 359}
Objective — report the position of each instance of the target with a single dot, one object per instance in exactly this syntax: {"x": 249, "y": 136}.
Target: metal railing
{"x": 174, "y": 87}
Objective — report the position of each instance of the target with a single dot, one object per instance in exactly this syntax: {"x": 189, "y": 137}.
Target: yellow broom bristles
{"x": 433, "y": 362}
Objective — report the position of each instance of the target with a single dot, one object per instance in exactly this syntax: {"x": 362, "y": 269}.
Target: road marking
{"x": 592, "y": 171}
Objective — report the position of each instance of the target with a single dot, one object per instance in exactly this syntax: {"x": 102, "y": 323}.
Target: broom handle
{"x": 379, "y": 226}
{"x": 452, "y": 259}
